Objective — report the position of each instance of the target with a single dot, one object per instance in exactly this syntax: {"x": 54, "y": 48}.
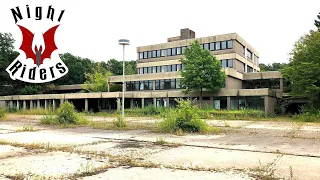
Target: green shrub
{"x": 66, "y": 114}
{"x": 119, "y": 122}
{"x": 185, "y": 117}
{"x": 308, "y": 117}
{"x": 3, "y": 113}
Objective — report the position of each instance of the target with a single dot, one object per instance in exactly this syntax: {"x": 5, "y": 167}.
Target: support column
{"x": 154, "y": 85}
{"x": 108, "y": 87}
{"x": 211, "y": 102}
{"x": 53, "y": 104}
{"x": 86, "y": 105}
{"x": 118, "y": 104}
{"x": 142, "y": 103}
{"x": 38, "y": 104}
{"x": 17, "y": 104}
{"x": 45, "y": 104}
{"x": 131, "y": 103}
{"x": 228, "y": 102}
{"x": 167, "y": 102}
{"x": 154, "y": 102}
{"x": 11, "y": 104}
{"x": 61, "y": 101}
{"x": 24, "y": 104}
{"x": 281, "y": 85}
{"x": 266, "y": 105}
{"x": 31, "y": 104}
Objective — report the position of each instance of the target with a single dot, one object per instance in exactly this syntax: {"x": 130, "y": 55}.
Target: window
{"x": 177, "y": 83}
{"x": 178, "y": 50}
{"x": 141, "y": 71}
{"x": 163, "y": 68}
{"x": 154, "y": 69}
{"x": 174, "y": 67}
{"x": 201, "y": 46}
{"x": 206, "y": 46}
{"x": 150, "y": 85}
{"x": 158, "y": 69}
{"x": 145, "y": 55}
{"x": 161, "y": 84}
{"x": 224, "y": 45}
{"x": 211, "y": 46}
{"x": 226, "y": 63}
{"x": 163, "y": 52}
{"x": 169, "y": 68}
{"x": 178, "y": 67}
{"x": 206, "y": 98}
{"x": 217, "y": 45}
{"x": 146, "y": 85}
{"x": 174, "y": 51}
{"x": 149, "y": 69}
{"x": 183, "y": 49}
{"x": 167, "y": 84}
{"x": 145, "y": 70}
{"x": 136, "y": 85}
{"x": 141, "y": 83}
{"x": 149, "y": 54}
{"x": 173, "y": 84}
{"x": 249, "y": 54}
{"x": 141, "y": 55}
{"x": 157, "y": 84}
{"x": 229, "y": 44}
{"x": 158, "y": 53}
{"x": 154, "y": 54}
{"x": 249, "y": 69}
{"x": 169, "y": 52}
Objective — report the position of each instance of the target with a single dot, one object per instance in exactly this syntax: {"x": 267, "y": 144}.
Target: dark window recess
{"x": 206, "y": 98}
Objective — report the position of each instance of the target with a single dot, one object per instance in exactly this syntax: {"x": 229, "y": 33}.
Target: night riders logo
{"x": 38, "y": 61}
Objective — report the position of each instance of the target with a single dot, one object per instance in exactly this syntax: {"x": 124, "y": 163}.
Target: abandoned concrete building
{"x": 157, "y": 81}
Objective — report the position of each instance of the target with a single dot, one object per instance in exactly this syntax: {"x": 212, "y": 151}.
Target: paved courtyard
{"x": 245, "y": 150}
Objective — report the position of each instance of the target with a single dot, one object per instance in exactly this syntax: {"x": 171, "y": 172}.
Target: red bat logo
{"x": 26, "y": 45}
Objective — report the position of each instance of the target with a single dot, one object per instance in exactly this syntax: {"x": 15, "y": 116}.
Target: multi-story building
{"x": 157, "y": 81}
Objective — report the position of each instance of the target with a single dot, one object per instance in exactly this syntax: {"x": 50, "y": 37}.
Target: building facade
{"x": 157, "y": 81}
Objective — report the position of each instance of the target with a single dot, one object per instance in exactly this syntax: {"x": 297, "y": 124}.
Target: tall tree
{"x": 317, "y": 22}
{"x": 303, "y": 70}
{"x": 97, "y": 81}
{"x": 202, "y": 71}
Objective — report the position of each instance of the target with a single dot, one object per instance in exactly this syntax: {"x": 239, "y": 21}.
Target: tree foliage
{"x": 202, "y": 71}
{"x": 98, "y": 80}
{"x": 272, "y": 67}
{"x": 317, "y": 22}
{"x": 303, "y": 70}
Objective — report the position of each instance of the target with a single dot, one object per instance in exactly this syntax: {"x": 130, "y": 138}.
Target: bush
{"x": 185, "y": 117}
{"x": 119, "y": 122}
{"x": 66, "y": 114}
{"x": 3, "y": 113}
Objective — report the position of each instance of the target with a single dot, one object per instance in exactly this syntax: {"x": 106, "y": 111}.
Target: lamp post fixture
{"x": 123, "y": 42}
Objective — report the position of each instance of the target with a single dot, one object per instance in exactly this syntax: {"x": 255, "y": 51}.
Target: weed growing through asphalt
{"x": 160, "y": 141}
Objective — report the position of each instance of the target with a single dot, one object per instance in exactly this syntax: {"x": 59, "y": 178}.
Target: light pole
{"x": 123, "y": 42}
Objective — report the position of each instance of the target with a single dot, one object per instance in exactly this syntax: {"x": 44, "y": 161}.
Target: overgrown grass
{"x": 185, "y": 118}
{"x": 232, "y": 114}
{"x": 308, "y": 117}
{"x": 3, "y": 113}
{"x": 66, "y": 114}
{"x": 120, "y": 122}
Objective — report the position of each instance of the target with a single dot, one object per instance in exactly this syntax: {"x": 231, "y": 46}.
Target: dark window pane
{"x": 211, "y": 46}
{"x": 223, "y": 45}
{"x": 206, "y": 46}
{"x": 158, "y": 69}
{"x": 229, "y": 44}
{"x": 178, "y": 50}
{"x": 167, "y": 84}
{"x": 150, "y": 85}
{"x": 145, "y": 55}
{"x": 136, "y": 84}
{"x": 161, "y": 84}
{"x": 169, "y": 52}
{"x": 217, "y": 45}
{"x": 163, "y": 52}
{"x": 146, "y": 85}
{"x": 154, "y": 54}
{"x": 157, "y": 84}
{"x": 173, "y": 84}
{"x": 149, "y": 54}
{"x": 174, "y": 67}
{"x": 158, "y": 53}
{"x": 141, "y": 55}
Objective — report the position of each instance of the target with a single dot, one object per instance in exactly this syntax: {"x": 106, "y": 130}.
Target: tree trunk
{"x": 201, "y": 98}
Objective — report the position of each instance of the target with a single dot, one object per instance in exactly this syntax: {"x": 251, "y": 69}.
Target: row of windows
{"x": 148, "y": 85}
{"x": 160, "y": 69}
{"x": 180, "y": 50}
{"x": 227, "y": 63}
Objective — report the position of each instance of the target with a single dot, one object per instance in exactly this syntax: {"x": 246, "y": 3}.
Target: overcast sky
{"x": 91, "y": 29}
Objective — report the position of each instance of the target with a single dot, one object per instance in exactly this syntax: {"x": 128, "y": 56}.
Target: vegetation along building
{"x": 157, "y": 81}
